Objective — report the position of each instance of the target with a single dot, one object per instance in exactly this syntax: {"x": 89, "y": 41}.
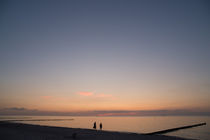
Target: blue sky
{"x": 142, "y": 54}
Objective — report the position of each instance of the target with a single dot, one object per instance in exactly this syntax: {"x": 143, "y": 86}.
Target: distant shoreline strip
{"x": 40, "y": 120}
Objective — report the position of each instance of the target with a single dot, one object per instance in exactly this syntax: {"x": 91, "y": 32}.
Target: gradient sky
{"x": 84, "y": 55}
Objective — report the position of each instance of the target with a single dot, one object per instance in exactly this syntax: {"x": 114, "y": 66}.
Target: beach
{"x": 20, "y": 131}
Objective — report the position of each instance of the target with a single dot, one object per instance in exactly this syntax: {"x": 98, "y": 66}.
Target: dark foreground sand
{"x": 19, "y": 131}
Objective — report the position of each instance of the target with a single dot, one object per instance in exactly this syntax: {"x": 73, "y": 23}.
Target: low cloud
{"x": 86, "y": 93}
{"x": 18, "y": 111}
{"x": 96, "y": 95}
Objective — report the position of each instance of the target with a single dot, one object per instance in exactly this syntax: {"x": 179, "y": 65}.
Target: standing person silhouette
{"x": 94, "y": 125}
{"x": 100, "y": 126}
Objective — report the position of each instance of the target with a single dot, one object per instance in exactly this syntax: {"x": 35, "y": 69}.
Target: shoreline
{"x": 21, "y": 131}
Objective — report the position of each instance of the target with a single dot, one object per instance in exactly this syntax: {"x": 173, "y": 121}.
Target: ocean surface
{"x": 127, "y": 124}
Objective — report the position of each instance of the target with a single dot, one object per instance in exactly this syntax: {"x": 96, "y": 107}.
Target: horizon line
{"x": 101, "y": 113}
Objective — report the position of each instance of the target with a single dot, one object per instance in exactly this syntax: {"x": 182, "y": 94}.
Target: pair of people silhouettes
{"x": 100, "y": 125}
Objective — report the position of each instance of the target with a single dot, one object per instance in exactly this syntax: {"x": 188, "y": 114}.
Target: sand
{"x": 20, "y": 131}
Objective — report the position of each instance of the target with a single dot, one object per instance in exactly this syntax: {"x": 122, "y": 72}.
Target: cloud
{"x": 86, "y": 93}
{"x": 97, "y": 95}
{"x": 16, "y": 109}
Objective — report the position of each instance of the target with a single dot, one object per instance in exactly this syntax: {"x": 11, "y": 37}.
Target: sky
{"x": 104, "y": 55}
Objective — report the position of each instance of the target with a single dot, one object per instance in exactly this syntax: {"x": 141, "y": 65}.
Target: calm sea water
{"x": 129, "y": 124}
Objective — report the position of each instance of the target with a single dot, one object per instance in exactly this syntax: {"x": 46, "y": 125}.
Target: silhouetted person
{"x": 100, "y": 126}
{"x": 74, "y": 135}
{"x": 94, "y": 125}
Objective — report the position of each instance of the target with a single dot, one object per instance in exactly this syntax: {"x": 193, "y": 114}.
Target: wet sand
{"x": 20, "y": 131}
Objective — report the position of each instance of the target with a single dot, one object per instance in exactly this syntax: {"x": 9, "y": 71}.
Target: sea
{"x": 140, "y": 125}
